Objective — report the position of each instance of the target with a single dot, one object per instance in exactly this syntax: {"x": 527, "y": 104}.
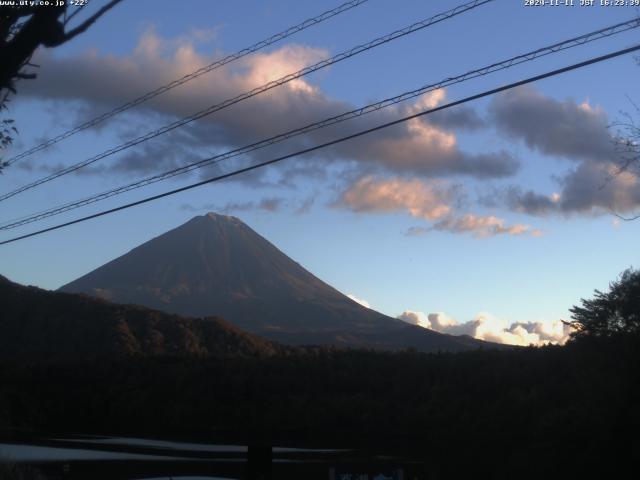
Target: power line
{"x": 186, "y": 78}
{"x": 336, "y": 141}
{"x": 526, "y": 57}
{"x": 256, "y": 91}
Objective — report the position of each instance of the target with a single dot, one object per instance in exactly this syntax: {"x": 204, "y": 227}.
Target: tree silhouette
{"x": 24, "y": 28}
{"x": 610, "y": 313}
{"x": 7, "y": 130}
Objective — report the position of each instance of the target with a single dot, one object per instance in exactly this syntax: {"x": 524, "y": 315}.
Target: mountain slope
{"x": 38, "y": 324}
{"x": 216, "y": 264}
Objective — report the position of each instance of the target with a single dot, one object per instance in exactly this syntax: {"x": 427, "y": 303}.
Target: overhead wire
{"x": 367, "y": 131}
{"x": 186, "y": 78}
{"x": 256, "y": 91}
{"x": 367, "y": 109}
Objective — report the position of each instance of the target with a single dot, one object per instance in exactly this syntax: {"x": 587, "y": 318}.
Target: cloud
{"x": 458, "y": 117}
{"x": 593, "y": 188}
{"x": 492, "y": 329}
{"x": 165, "y": 153}
{"x": 555, "y": 332}
{"x": 564, "y": 128}
{"x": 434, "y": 321}
{"x": 271, "y": 204}
{"x": 440, "y": 321}
{"x": 590, "y": 188}
{"x": 305, "y": 206}
{"x": 434, "y": 201}
{"x": 429, "y": 201}
{"x": 596, "y": 184}
{"x": 422, "y": 148}
{"x": 362, "y": 302}
{"x": 483, "y": 226}
{"x": 426, "y": 146}
{"x": 267, "y": 204}
{"x": 415, "y": 318}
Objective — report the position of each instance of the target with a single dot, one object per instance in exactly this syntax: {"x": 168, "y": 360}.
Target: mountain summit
{"x": 217, "y": 265}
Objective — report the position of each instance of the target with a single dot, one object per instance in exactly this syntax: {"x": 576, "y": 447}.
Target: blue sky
{"x": 485, "y": 248}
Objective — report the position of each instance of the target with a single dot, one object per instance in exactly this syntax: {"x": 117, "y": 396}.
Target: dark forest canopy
{"x": 573, "y": 406}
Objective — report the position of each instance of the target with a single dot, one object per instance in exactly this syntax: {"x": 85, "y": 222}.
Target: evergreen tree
{"x": 610, "y": 313}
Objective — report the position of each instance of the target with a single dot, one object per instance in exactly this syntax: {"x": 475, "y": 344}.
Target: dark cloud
{"x": 163, "y": 154}
{"x": 267, "y": 204}
{"x": 530, "y": 202}
{"x": 270, "y": 204}
{"x": 567, "y": 129}
{"x": 425, "y": 147}
{"x": 460, "y": 117}
{"x": 595, "y": 185}
{"x": 591, "y": 188}
{"x": 600, "y": 187}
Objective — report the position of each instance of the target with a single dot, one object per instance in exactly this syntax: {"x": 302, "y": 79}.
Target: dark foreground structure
{"x": 72, "y": 363}
{"x": 523, "y": 413}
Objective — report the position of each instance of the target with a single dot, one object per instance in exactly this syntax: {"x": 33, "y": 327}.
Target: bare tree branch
{"x": 88, "y": 22}
{"x": 43, "y": 26}
{"x": 23, "y": 29}
{"x": 68, "y": 19}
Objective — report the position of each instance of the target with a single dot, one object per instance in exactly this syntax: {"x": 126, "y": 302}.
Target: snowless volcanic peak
{"x": 217, "y": 265}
